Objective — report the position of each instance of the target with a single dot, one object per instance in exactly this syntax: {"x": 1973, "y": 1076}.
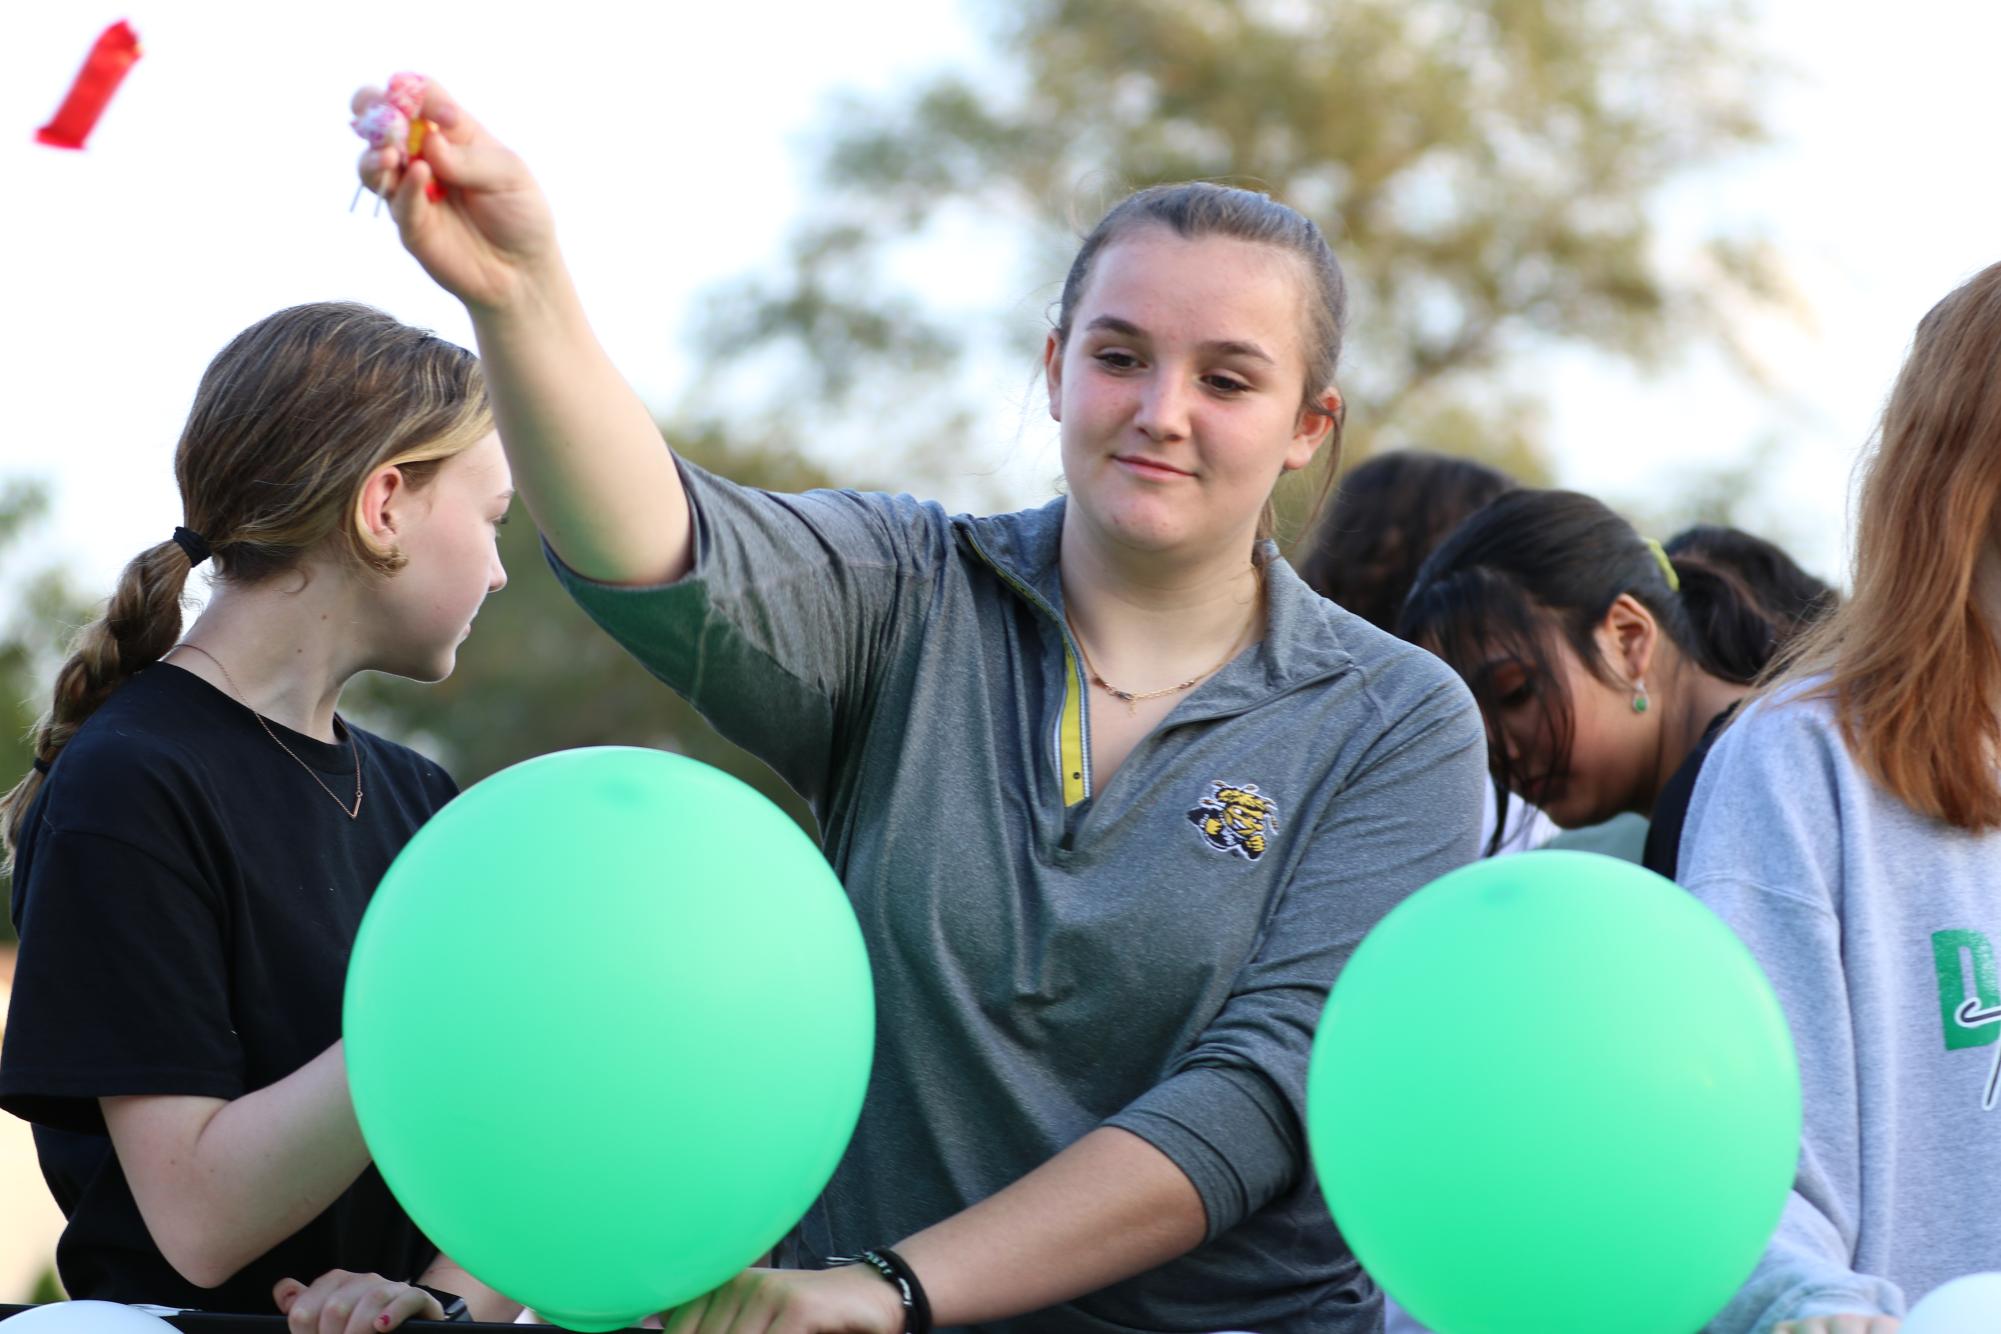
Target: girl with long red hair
{"x": 1846, "y": 827}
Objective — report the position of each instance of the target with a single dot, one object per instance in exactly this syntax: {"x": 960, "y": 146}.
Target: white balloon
{"x": 85, "y": 1318}
{"x": 1970, "y": 1305}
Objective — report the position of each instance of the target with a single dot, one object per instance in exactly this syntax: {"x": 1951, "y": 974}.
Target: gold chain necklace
{"x": 243, "y": 699}
{"x": 1132, "y": 698}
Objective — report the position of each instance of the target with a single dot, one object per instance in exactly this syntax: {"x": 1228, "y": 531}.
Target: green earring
{"x": 1639, "y": 697}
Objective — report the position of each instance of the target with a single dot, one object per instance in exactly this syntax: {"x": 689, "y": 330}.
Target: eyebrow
{"x": 1227, "y": 347}
{"x": 1488, "y": 670}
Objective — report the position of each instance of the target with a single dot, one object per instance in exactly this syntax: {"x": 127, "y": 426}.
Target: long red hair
{"x": 1910, "y": 659}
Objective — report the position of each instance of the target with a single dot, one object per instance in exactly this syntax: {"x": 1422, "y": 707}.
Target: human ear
{"x": 1628, "y": 637}
{"x": 379, "y": 509}
{"x": 1316, "y": 424}
{"x": 1052, "y": 373}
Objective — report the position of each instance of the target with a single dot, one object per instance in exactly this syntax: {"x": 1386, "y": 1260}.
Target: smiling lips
{"x": 1146, "y": 467}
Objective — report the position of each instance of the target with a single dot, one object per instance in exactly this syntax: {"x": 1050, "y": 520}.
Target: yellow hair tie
{"x": 1667, "y": 566}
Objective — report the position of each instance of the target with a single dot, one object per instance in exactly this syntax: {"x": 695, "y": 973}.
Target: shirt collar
{"x": 1306, "y": 636}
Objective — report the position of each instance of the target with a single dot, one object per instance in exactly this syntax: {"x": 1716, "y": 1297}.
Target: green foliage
{"x": 46, "y": 610}
{"x": 48, "y": 1288}
{"x": 537, "y": 675}
{"x": 1486, "y": 169}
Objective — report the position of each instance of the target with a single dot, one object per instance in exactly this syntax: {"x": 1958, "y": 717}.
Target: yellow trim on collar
{"x": 1070, "y": 733}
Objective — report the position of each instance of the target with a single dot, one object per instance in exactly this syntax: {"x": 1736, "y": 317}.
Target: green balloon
{"x": 1554, "y": 1093}
{"x": 609, "y": 1022}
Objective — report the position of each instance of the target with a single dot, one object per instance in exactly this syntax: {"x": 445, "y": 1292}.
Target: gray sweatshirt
{"x": 1878, "y": 928}
{"x": 1052, "y": 954}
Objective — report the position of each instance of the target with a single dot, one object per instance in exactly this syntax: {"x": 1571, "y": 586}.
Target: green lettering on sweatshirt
{"x": 1970, "y": 1021}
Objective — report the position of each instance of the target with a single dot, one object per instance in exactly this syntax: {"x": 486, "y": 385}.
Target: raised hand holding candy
{"x": 475, "y": 239}
{"x": 383, "y": 125}
{"x": 395, "y": 122}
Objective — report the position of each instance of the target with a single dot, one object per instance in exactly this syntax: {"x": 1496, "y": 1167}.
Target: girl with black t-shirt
{"x": 1604, "y": 664}
{"x": 201, "y": 832}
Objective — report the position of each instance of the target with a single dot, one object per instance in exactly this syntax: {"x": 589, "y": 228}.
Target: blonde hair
{"x": 1910, "y": 659}
{"x": 289, "y": 422}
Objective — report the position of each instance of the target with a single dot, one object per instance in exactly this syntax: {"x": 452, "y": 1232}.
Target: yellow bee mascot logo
{"x": 1236, "y": 817}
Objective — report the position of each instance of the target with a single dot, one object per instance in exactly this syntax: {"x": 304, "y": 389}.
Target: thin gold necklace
{"x": 1133, "y": 698}
{"x": 243, "y": 699}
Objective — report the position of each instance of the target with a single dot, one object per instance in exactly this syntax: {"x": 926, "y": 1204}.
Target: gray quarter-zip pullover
{"x": 1052, "y": 954}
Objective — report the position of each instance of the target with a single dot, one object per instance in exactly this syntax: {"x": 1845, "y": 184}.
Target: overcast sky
{"x": 671, "y": 139}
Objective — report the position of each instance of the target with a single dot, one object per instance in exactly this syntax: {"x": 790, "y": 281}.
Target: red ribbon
{"x": 103, "y": 70}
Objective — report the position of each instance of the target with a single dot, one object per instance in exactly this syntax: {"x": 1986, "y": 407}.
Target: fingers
{"x": 717, "y": 1312}
{"x": 448, "y": 115}
{"x": 406, "y": 1304}
{"x": 468, "y": 158}
{"x": 285, "y": 1292}
{"x": 407, "y": 198}
{"x": 1839, "y": 1324}
{"x": 380, "y": 169}
{"x": 459, "y": 164}
{"x": 364, "y": 98}
{"x": 341, "y": 1302}
{"x": 687, "y": 1318}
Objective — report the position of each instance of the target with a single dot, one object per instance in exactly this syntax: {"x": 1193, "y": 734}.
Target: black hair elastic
{"x": 41, "y": 766}
{"x": 191, "y": 542}
{"x": 897, "y": 1271}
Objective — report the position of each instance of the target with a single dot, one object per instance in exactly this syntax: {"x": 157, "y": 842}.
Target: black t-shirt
{"x": 186, "y": 896}
{"x": 1662, "y": 853}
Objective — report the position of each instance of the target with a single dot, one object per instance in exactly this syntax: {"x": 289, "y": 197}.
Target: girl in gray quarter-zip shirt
{"x": 1113, "y": 793}
{"x": 1046, "y": 967}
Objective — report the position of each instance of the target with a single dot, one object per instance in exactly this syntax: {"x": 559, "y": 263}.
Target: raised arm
{"x": 585, "y": 451}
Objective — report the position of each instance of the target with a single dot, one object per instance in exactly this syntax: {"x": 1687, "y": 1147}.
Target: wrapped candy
{"x": 406, "y": 93}
{"x": 394, "y": 122}
{"x": 112, "y": 56}
{"x": 382, "y": 125}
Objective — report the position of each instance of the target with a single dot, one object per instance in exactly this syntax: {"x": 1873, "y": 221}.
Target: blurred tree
{"x": 1487, "y": 170}
{"x": 1736, "y": 494}
{"x": 537, "y": 675}
{"x": 47, "y": 609}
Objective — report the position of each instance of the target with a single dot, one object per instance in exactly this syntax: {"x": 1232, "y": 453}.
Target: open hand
{"x": 340, "y": 1302}
{"x": 489, "y": 229}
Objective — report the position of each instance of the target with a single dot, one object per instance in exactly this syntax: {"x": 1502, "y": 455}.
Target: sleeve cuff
{"x": 1228, "y": 1131}
{"x": 68, "y": 1101}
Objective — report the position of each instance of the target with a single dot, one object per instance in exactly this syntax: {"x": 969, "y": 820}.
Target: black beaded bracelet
{"x": 898, "y": 1273}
